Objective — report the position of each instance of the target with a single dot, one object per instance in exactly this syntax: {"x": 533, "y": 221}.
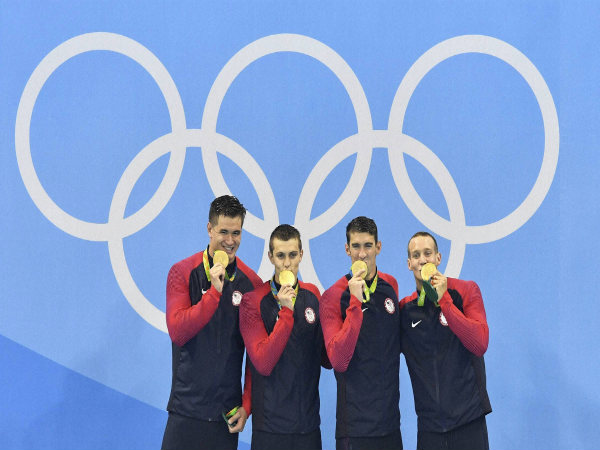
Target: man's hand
{"x": 240, "y": 416}
{"x": 356, "y": 284}
{"x": 286, "y": 296}
{"x": 217, "y": 276}
{"x": 440, "y": 283}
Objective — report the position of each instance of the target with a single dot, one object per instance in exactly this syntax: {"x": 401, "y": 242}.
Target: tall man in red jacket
{"x": 203, "y": 299}
{"x": 443, "y": 343}
{"x": 360, "y": 320}
{"x": 280, "y": 325}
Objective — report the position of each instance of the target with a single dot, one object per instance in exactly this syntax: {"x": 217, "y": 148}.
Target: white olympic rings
{"x": 362, "y": 143}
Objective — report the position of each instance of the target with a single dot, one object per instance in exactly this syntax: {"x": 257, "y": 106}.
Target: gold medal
{"x": 427, "y": 271}
{"x": 220, "y": 257}
{"x": 287, "y": 277}
{"x": 357, "y": 266}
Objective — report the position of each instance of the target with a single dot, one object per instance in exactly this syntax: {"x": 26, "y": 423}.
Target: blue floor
{"x": 47, "y": 406}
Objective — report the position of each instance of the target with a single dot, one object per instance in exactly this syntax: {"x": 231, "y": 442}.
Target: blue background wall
{"x": 84, "y": 360}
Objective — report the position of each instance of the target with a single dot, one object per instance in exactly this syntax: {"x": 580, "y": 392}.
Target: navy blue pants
{"x": 391, "y": 441}
{"x": 186, "y": 433}
{"x": 471, "y": 436}
{"x": 262, "y": 440}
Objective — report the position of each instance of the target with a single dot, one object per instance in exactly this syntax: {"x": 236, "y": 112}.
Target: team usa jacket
{"x": 208, "y": 348}
{"x": 444, "y": 348}
{"x": 286, "y": 353}
{"x": 363, "y": 345}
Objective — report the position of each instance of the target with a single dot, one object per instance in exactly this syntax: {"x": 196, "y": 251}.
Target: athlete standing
{"x": 360, "y": 320}
{"x": 280, "y": 324}
{"x": 443, "y": 343}
{"x": 203, "y": 297}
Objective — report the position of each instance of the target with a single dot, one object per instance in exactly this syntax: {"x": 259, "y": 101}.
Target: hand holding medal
{"x": 287, "y": 294}
{"x": 359, "y": 272}
{"x": 217, "y": 271}
{"x": 428, "y": 271}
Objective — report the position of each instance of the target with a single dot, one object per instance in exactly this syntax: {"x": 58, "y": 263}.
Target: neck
{"x": 371, "y": 276}
{"x": 419, "y": 285}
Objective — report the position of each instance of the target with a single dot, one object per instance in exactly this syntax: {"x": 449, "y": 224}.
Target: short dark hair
{"x": 226, "y": 205}
{"x": 421, "y": 234}
{"x": 284, "y": 232}
{"x": 361, "y": 224}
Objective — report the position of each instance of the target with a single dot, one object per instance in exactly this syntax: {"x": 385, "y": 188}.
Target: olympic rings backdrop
{"x": 120, "y": 122}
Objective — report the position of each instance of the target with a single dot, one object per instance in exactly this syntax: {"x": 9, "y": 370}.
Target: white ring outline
{"x": 143, "y": 160}
{"x": 477, "y": 234}
{"x": 346, "y": 148}
{"x": 252, "y": 52}
{"x": 455, "y": 229}
{"x": 65, "y": 51}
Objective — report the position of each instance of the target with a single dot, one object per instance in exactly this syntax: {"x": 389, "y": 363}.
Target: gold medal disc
{"x": 357, "y": 266}
{"x": 427, "y": 271}
{"x": 221, "y": 258}
{"x": 287, "y": 277}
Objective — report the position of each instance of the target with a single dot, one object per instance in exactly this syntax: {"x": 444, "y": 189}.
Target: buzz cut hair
{"x": 285, "y": 232}
{"x": 228, "y": 206}
{"x": 421, "y": 234}
{"x": 361, "y": 224}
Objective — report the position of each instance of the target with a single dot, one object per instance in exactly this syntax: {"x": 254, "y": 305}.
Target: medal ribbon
{"x": 229, "y": 415}
{"x": 421, "y": 300}
{"x": 370, "y": 290}
{"x": 275, "y": 292}
{"x": 207, "y": 268}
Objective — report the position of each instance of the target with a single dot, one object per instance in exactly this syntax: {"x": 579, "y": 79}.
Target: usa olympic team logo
{"x": 236, "y": 298}
{"x": 443, "y": 320}
{"x": 389, "y": 305}
{"x": 211, "y": 142}
{"x": 309, "y": 315}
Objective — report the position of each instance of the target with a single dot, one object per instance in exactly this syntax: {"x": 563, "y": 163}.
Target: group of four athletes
{"x": 215, "y": 311}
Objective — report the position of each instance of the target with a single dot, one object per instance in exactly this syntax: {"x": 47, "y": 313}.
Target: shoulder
{"x": 335, "y": 292}
{"x": 408, "y": 299}
{"x": 185, "y": 266}
{"x": 342, "y": 283}
{"x": 463, "y": 286}
{"x": 248, "y": 273}
{"x": 311, "y": 288}
{"x": 388, "y": 279}
{"x": 468, "y": 291}
{"x": 256, "y": 295}
{"x": 260, "y": 291}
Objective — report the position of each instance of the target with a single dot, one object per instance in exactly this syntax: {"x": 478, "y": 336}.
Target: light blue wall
{"x": 497, "y": 118}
